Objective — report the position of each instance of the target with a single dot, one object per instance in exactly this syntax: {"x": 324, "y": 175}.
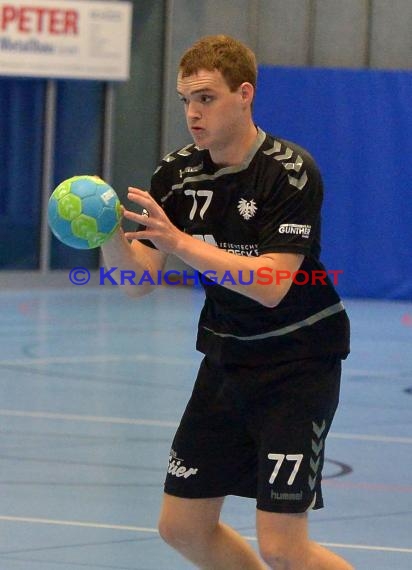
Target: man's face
{"x": 214, "y": 114}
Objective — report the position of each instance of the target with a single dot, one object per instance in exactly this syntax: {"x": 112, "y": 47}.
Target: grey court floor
{"x": 92, "y": 384}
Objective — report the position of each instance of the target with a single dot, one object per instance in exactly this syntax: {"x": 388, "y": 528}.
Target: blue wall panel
{"x": 79, "y": 130}
{"x": 358, "y": 126}
{"x": 21, "y": 133}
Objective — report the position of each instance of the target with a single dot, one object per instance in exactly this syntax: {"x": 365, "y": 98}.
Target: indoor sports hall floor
{"x": 92, "y": 385}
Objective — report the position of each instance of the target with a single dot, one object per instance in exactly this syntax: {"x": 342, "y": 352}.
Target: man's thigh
{"x": 193, "y": 514}
{"x": 282, "y": 532}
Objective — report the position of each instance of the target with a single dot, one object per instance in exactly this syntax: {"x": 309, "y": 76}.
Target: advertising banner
{"x": 65, "y": 39}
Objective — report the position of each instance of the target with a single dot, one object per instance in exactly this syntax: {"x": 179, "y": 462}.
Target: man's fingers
{"x": 143, "y": 198}
{"x": 135, "y": 235}
{"x": 139, "y": 218}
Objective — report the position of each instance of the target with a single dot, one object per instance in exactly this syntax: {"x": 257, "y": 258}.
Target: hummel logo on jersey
{"x": 297, "y": 229}
{"x": 247, "y": 209}
{"x": 190, "y": 169}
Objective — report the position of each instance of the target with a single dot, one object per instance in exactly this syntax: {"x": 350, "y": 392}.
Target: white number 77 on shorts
{"x": 279, "y": 458}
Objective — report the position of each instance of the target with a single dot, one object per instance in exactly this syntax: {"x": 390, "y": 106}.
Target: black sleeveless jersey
{"x": 270, "y": 203}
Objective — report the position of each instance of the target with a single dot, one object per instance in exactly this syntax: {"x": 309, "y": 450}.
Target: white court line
{"x": 149, "y": 530}
{"x": 354, "y": 546}
{"x": 88, "y": 419}
{"x": 77, "y": 524}
{"x": 169, "y": 424}
{"x": 97, "y": 358}
{"x": 367, "y": 437}
{"x": 376, "y": 373}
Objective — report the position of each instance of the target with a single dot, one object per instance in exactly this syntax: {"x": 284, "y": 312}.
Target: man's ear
{"x": 247, "y": 92}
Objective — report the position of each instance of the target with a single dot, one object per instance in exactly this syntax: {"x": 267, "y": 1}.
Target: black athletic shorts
{"x": 257, "y": 432}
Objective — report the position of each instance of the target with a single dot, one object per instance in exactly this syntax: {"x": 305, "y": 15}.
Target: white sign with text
{"x": 65, "y": 39}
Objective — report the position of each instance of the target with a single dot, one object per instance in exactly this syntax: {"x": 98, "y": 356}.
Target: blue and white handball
{"x": 84, "y": 212}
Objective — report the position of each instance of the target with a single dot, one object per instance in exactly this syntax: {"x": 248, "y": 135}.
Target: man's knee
{"x": 283, "y": 540}
{"x": 274, "y": 555}
{"x": 278, "y": 559}
{"x": 184, "y": 533}
{"x": 174, "y": 532}
{"x": 188, "y": 522}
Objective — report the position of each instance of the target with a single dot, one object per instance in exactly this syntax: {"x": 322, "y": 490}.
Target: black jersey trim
{"x": 329, "y": 311}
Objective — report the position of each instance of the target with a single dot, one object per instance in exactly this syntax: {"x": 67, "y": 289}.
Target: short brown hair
{"x": 235, "y": 61}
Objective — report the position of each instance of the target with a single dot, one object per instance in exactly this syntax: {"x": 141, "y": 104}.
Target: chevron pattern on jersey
{"x": 171, "y": 156}
{"x": 299, "y": 183}
{"x": 185, "y": 151}
{"x": 317, "y": 447}
{"x": 285, "y": 155}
